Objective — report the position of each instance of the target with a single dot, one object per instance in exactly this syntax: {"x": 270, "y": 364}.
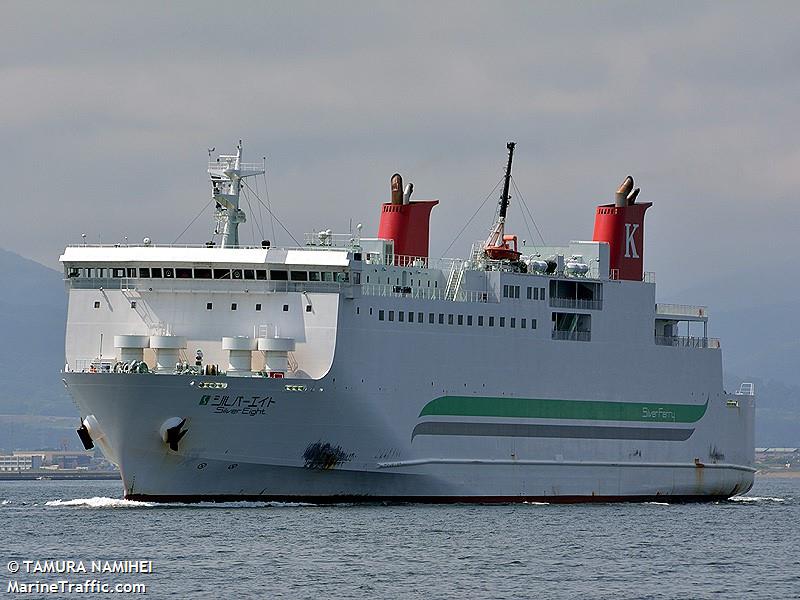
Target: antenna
{"x": 226, "y": 175}
{"x": 504, "y": 198}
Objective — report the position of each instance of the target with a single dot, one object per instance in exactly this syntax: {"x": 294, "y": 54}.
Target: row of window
{"x": 533, "y": 293}
{"x": 378, "y": 280}
{"x": 210, "y": 306}
{"x": 205, "y": 273}
{"x": 454, "y": 319}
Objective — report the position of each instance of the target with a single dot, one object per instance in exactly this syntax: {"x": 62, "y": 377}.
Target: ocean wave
{"x": 758, "y": 499}
{"x": 98, "y": 502}
{"x": 537, "y": 503}
{"x": 102, "y": 502}
{"x": 658, "y": 503}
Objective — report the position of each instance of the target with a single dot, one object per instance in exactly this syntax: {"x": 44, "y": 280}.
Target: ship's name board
{"x": 237, "y": 405}
{"x": 657, "y": 414}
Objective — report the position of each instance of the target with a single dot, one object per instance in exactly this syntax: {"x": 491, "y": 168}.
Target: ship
{"x": 360, "y": 369}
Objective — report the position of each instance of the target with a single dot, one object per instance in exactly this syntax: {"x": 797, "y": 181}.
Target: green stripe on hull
{"x": 592, "y": 410}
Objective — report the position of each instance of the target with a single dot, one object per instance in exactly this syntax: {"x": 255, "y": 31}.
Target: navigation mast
{"x": 497, "y": 245}
{"x": 226, "y": 174}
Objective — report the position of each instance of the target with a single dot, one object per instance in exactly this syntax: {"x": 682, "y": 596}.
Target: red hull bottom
{"x": 344, "y": 499}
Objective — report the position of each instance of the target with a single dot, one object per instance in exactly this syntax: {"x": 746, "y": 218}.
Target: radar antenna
{"x": 226, "y": 174}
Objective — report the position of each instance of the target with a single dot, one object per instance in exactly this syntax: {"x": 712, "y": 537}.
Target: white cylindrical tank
{"x": 240, "y": 354}
{"x": 574, "y": 267}
{"x": 131, "y": 347}
{"x": 276, "y": 353}
{"x": 537, "y": 266}
{"x": 167, "y": 348}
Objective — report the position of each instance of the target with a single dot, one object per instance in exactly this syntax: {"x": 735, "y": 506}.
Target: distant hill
{"x": 752, "y": 312}
{"x": 33, "y": 309}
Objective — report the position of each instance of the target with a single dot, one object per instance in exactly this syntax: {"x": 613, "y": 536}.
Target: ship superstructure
{"x": 357, "y": 368}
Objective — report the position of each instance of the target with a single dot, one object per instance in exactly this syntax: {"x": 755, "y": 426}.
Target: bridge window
{"x": 183, "y": 273}
{"x": 169, "y": 272}
{"x": 327, "y": 276}
{"x": 249, "y": 274}
{"x": 400, "y": 316}
{"x": 258, "y": 306}
{"x": 391, "y": 315}
{"x": 314, "y": 276}
{"x": 222, "y": 273}
{"x": 202, "y": 273}
{"x": 278, "y": 275}
{"x": 261, "y": 274}
{"x": 431, "y": 318}
{"x": 233, "y": 306}
{"x": 155, "y": 272}
{"x": 522, "y": 323}
{"x": 513, "y": 322}
{"x": 299, "y": 276}
{"x": 480, "y": 320}
{"x": 420, "y": 317}
{"x": 491, "y": 321}
{"x": 285, "y": 308}
{"x": 411, "y": 316}
{"x": 131, "y": 272}
{"x": 460, "y": 319}
{"x": 236, "y": 273}
{"x": 502, "y": 321}
{"x": 469, "y": 320}
{"x": 380, "y": 315}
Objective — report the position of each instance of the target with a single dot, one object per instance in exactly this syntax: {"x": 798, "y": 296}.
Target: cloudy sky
{"x": 108, "y": 109}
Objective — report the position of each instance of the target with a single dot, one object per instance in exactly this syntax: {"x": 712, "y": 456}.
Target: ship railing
{"x": 573, "y": 336}
{"x": 224, "y": 165}
{"x": 198, "y": 246}
{"x": 685, "y": 310}
{"x": 422, "y": 293}
{"x": 647, "y": 276}
{"x": 576, "y": 303}
{"x": 326, "y": 239}
{"x": 215, "y": 285}
{"x": 682, "y": 341}
{"x": 91, "y": 365}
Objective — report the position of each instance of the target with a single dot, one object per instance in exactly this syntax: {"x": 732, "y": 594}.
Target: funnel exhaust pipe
{"x": 624, "y": 197}
{"x": 397, "y": 189}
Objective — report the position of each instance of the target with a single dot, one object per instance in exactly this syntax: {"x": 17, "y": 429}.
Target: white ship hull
{"x": 343, "y": 439}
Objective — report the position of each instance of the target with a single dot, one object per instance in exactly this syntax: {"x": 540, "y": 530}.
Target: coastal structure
{"x": 361, "y": 369}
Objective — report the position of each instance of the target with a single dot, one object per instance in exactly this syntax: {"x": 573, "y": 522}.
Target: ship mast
{"x": 226, "y": 174}
{"x": 496, "y": 246}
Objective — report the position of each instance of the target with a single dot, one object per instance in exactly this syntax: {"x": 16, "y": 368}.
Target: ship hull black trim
{"x": 529, "y": 430}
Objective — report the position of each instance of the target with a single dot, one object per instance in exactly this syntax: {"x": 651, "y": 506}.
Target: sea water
{"x": 745, "y": 547}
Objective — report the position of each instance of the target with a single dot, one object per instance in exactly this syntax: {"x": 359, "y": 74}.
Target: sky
{"x": 107, "y": 110}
